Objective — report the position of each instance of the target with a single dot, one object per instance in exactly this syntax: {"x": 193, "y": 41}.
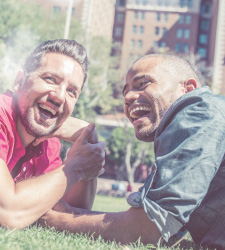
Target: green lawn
{"x": 110, "y": 204}
{"x": 35, "y": 237}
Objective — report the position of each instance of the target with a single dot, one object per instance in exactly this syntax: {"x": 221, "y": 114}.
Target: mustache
{"x": 53, "y": 102}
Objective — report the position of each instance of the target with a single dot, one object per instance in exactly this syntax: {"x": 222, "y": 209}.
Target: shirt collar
{"x": 183, "y": 99}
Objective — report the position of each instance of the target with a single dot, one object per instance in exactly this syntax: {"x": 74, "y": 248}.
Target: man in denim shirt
{"x": 166, "y": 104}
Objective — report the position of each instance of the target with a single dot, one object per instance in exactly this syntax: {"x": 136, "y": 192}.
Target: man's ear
{"x": 19, "y": 81}
{"x": 190, "y": 85}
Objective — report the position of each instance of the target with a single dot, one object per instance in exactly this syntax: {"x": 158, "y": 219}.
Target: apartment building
{"x": 182, "y": 26}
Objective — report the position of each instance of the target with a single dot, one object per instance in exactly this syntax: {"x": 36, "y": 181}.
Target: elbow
{"x": 13, "y": 220}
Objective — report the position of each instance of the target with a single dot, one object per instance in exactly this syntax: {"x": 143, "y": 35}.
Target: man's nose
{"x": 131, "y": 96}
{"x": 58, "y": 94}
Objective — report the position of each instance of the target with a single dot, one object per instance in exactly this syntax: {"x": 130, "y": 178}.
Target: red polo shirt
{"x": 45, "y": 157}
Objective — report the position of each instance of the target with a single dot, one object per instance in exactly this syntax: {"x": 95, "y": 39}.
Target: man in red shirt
{"x": 32, "y": 120}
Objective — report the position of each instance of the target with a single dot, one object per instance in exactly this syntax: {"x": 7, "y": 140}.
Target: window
{"x": 56, "y": 9}
{"x": 204, "y": 24}
{"x": 165, "y": 16}
{"x": 181, "y": 18}
{"x": 181, "y": 3}
{"x": 186, "y": 33}
{"x": 203, "y": 39}
{"x": 135, "y": 14}
{"x": 140, "y": 43}
{"x": 132, "y": 42}
{"x": 179, "y": 33}
{"x": 205, "y": 9}
{"x": 137, "y": 1}
{"x": 145, "y": 2}
{"x": 202, "y": 52}
{"x": 164, "y": 31}
{"x": 163, "y": 45}
{"x": 156, "y": 30}
{"x": 158, "y": 16}
{"x": 118, "y": 31}
{"x": 185, "y": 47}
{"x": 120, "y": 17}
{"x": 190, "y": 3}
{"x": 141, "y": 29}
{"x": 120, "y": 2}
{"x": 134, "y": 28}
{"x": 177, "y": 47}
{"x": 188, "y": 19}
{"x": 73, "y": 11}
{"x": 142, "y": 15}
{"x": 155, "y": 45}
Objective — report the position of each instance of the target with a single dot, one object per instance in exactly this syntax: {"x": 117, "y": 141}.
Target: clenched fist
{"x": 85, "y": 160}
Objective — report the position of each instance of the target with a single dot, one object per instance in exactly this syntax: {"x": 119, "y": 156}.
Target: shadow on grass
{"x": 185, "y": 243}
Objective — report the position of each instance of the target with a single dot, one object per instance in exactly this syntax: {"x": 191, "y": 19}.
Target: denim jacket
{"x": 189, "y": 168}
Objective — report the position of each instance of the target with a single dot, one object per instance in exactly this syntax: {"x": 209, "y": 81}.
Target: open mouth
{"x": 47, "y": 111}
{"x": 139, "y": 112}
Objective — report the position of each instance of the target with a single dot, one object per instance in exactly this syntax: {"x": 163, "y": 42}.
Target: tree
{"x": 21, "y": 31}
{"x": 127, "y": 152}
{"x": 97, "y": 95}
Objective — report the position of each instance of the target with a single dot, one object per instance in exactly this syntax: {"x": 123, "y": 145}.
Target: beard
{"x": 146, "y": 132}
{"x": 40, "y": 129}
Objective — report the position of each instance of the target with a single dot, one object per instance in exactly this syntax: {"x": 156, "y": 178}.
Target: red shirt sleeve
{"x": 4, "y": 143}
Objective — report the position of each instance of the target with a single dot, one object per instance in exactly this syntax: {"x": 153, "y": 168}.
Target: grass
{"x": 37, "y": 238}
{"x": 110, "y": 204}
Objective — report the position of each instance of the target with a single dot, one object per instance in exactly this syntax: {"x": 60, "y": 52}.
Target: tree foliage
{"x": 127, "y": 152}
{"x": 24, "y": 25}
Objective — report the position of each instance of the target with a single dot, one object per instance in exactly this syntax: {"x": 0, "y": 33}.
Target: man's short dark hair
{"x": 66, "y": 47}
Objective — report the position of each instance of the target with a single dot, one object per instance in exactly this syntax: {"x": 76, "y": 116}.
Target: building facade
{"x": 181, "y": 26}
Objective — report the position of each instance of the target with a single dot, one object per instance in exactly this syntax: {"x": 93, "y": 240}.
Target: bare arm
{"x": 69, "y": 131}
{"x": 82, "y": 194}
{"x": 24, "y": 202}
{"x": 125, "y": 227}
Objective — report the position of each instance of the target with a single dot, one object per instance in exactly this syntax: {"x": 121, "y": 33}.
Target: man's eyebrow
{"x": 141, "y": 77}
{"x": 55, "y": 74}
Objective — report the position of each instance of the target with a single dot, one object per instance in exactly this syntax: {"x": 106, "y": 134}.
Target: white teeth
{"x": 43, "y": 106}
{"x": 132, "y": 115}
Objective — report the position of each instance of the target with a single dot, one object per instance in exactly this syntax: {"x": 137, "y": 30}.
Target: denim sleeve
{"x": 189, "y": 150}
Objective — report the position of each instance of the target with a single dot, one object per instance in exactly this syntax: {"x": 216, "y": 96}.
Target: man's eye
{"x": 142, "y": 84}
{"x": 72, "y": 92}
{"x": 49, "y": 79}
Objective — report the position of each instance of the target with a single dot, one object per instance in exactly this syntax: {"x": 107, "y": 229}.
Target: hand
{"x": 85, "y": 160}
{"x": 47, "y": 218}
{"x": 62, "y": 206}
{"x": 69, "y": 131}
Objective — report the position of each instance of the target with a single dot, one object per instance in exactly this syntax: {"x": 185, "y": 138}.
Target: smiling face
{"x": 148, "y": 94}
{"x": 46, "y": 97}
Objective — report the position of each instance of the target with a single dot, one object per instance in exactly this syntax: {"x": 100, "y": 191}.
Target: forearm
{"x": 82, "y": 194}
{"x": 75, "y": 126}
{"x": 124, "y": 227}
{"x": 24, "y": 202}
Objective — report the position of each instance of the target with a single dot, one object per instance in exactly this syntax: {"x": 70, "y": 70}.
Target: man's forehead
{"x": 143, "y": 66}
